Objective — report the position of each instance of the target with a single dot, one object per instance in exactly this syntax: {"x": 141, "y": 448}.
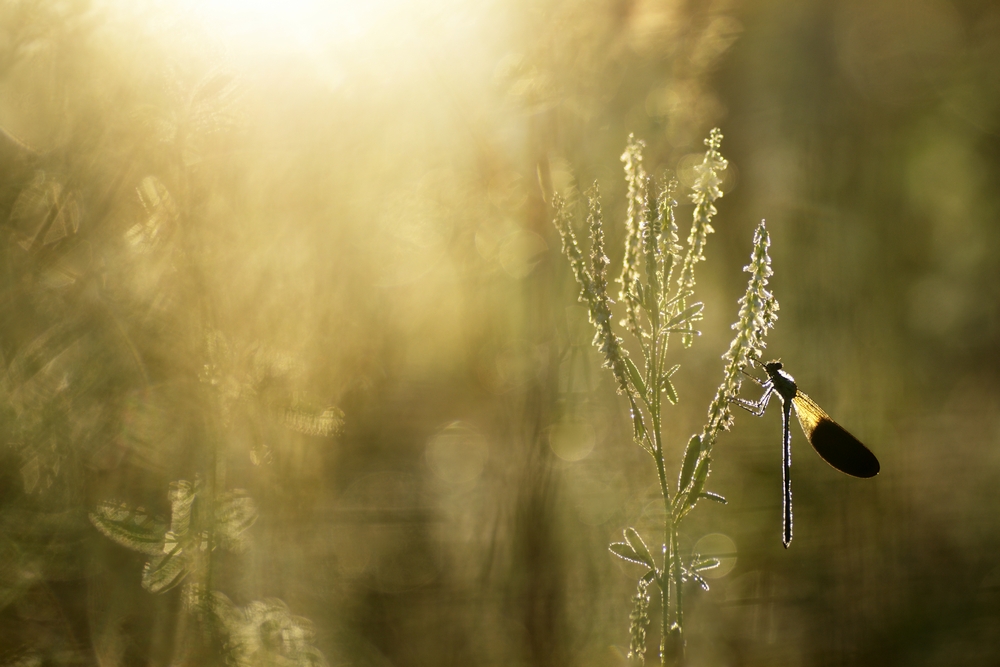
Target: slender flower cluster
{"x": 593, "y": 286}
{"x": 638, "y": 622}
{"x": 706, "y": 191}
{"x": 758, "y": 313}
{"x": 670, "y": 239}
{"x": 605, "y": 339}
{"x": 599, "y": 261}
{"x": 650, "y": 231}
{"x": 635, "y": 176}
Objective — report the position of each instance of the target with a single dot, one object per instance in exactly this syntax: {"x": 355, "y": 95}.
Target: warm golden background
{"x": 211, "y": 213}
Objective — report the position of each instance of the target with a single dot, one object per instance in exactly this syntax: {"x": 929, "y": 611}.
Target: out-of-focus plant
{"x": 657, "y": 283}
{"x": 117, "y": 379}
{"x": 236, "y": 385}
{"x": 176, "y": 547}
{"x": 179, "y": 550}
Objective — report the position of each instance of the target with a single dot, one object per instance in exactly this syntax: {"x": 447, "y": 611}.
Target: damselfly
{"x": 830, "y": 440}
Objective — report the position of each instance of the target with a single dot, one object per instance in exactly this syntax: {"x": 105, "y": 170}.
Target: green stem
{"x": 668, "y": 527}
{"x": 676, "y": 648}
{"x": 665, "y": 579}
{"x": 666, "y": 576}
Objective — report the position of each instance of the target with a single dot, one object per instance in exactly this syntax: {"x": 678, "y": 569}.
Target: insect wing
{"x": 832, "y": 442}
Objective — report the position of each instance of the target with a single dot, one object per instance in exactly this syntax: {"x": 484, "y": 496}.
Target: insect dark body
{"x": 830, "y": 440}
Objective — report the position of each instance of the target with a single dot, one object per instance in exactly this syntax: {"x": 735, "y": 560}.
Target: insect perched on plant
{"x": 830, "y": 440}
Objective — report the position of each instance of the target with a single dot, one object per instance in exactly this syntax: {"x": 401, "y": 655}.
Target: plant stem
{"x": 667, "y": 531}
{"x": 668, "y": 527}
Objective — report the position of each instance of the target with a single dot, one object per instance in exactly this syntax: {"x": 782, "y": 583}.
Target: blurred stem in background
{"x": 657, "y": 283}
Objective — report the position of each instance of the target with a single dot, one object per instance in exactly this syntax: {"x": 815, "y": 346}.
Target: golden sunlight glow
{"x": 288, "y": 25}
{"x": 335, "y": 332}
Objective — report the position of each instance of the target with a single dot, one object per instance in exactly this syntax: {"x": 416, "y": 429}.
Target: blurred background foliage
{"x": 301, "y": 254}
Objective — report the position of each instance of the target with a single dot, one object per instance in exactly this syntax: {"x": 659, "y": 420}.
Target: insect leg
{"x": 756, "y": 408}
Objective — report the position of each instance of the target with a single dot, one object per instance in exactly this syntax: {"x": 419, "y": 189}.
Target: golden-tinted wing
{"x": 832, "y": 442}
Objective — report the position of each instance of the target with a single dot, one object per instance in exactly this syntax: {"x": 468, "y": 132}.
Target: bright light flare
{"x": 287, "y": 25}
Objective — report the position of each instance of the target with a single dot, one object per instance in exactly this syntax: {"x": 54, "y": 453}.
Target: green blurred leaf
{"x": 182, "y": 495}
{"x": 303, "y": 417}
{"x": 131, "y": 528}
{"x": 235, "y": 512}
{"x": 165, "y": 571}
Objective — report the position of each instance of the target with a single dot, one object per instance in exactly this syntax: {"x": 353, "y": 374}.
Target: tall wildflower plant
{"x": 657, "y": 287}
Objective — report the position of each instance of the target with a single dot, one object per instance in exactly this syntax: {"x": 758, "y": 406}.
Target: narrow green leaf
{"x": 702, "y": 564}
{"x": 689, "y": 314}
{"x": 708, "y": 495}
{"x": 639, "y": 293}
{"x": 683, "y": 294}
{"x": 625, "y": 552}
{"x": 638, "y": 427}
{"x": 131, "y": 528}
{"x": 694, "y": 576}
{"x": 690, "y": 460}
{"x": 649, "y": 300}
{"x": 673, "y": 369}
{"x": 698, "y": 485}
{"x": 637, "y": 381}
{"x": 649, "y": 577}
{"x": 668, "y": 387}
{"x": 635, "y": 541}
